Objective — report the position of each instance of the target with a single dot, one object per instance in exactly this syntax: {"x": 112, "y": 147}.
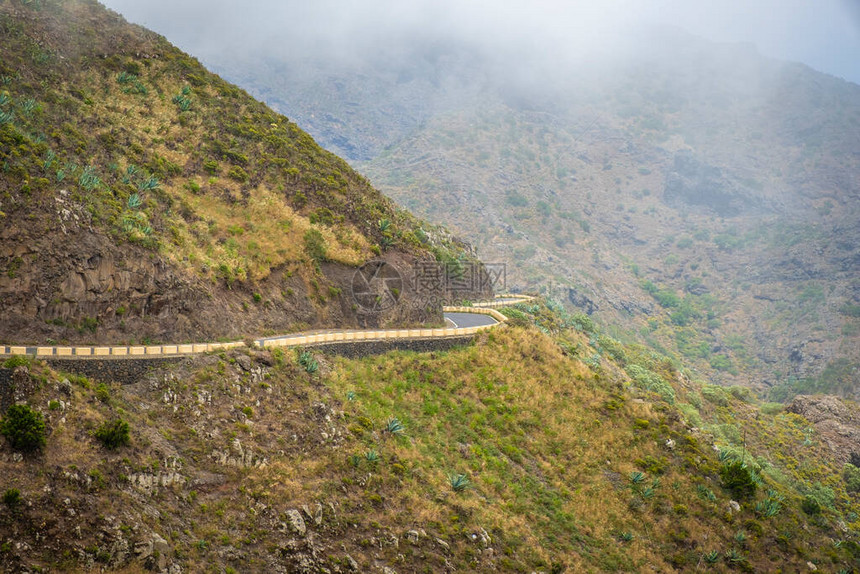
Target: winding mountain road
{"x": 460, "y": 321}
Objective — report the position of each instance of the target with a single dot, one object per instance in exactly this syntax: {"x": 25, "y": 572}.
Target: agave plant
{"x": 50, "y": 156}
{"x": 626, "y": 536}
{"x": 768, "y": 507}
{"x": 648, "y": 493}
{"x": 733, "y": 556}
{"x": 6, "y": 117}
{"x": 134, "y": 201}
{"x": 384, "y": 225}
{"x": 740, "y": 537}
{"x": 307, "y": 361}
{"x": 774, "y": 495}
{"x": 394, "y": 426}
{"x": 4, "y": 99}
{"x": 125, "y": 78}
{"x": 706, "y": 493}
{"x": 350, "y": 396}
{"x": 637, "y": 477}
{"x": 458, "y": 482}
{"x": 756, "y": 477}
{"x": 711, "y": 557}
{"x": 148, "y": 183}
{"x": 88, "y": 178}
{"x": 371, "y": 456}
{"x": 182, "y": 101}
{"x": 27, "y": 106}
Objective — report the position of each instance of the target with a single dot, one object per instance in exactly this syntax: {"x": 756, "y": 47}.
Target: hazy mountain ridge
{"x": 589, "y": 173}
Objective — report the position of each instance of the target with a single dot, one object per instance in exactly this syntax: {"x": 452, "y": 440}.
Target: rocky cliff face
{"x": 836, "y": 423}
{"x": 83, "y": 287}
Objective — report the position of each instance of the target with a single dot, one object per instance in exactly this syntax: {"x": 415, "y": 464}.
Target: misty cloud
{"x": 825, "y": 34}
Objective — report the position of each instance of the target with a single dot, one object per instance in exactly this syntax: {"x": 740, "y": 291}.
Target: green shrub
{"x": 24, "y": 428}
{"x": 823, "y": 495}
{"x": 715, "y": 395}
{"x": 12, "y": 497}
{"x": 113, "y": 434}
{"x": 691, "y": 413}
{"x": 850, "y": 310}
{"x": 16, "y": 361}
{"x": 583, "y": 322}
{"x": 315, "y": 245}
{"x": 851, "y": 475}
{"x": 192, "y": 186}
{"x": 742, "y": 393}
{"x": 103, "y": 393}
{"x": 810, "y": 505}
{"x": 772, "y": 408}
{"x": 650, "y": 381}
{"x": 652, "y": 464}
{"x": 738, "y": 479}
{"x": 238, "y": 174}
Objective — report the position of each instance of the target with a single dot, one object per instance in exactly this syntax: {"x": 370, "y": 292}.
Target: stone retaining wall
{"x": 357, "y": 349}
{"x": 129, "y": 370}
{"x": 125, "y": 371}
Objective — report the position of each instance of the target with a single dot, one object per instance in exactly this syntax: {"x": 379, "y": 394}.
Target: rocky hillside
{"x": 144, "y": 198}
{"x": 696, "y": 196}
{"x": 545, "y": 446}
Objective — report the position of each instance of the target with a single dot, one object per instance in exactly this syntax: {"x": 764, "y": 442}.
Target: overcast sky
{"x": 825, "y": 34}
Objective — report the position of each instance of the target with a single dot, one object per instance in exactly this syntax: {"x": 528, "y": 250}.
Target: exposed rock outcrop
{"x": 836, "y": 422}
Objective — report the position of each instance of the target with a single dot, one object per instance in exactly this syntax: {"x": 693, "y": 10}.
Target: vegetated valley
{"x": 695, "y": 196}
{"x": 143, "y": 197}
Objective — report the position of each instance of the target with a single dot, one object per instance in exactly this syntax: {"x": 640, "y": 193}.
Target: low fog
{"x": 824, "y": 35}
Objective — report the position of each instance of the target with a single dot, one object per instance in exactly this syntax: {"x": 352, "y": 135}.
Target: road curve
{"x": 470, "y": 319}
{"x": 460, "y": 321}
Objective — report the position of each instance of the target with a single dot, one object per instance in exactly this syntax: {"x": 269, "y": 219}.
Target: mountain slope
{"x": 143, "y": 197}
{"x": 545, "y": 446}
{"x": 695, "y": 195}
